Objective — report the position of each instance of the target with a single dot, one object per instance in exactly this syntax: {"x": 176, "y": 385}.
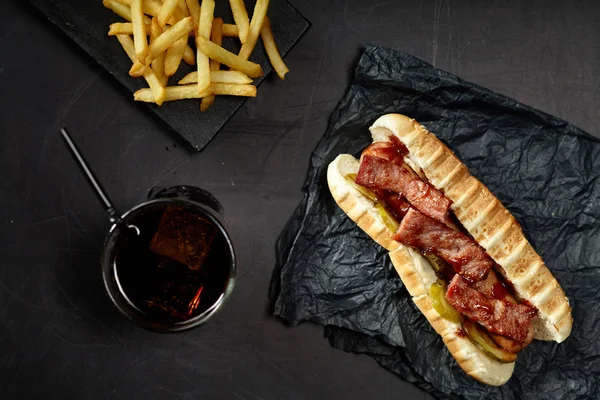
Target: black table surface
{"x": 60, "y": 337}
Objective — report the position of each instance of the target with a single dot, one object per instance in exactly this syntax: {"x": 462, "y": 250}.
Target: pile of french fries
{"x": 156, "y": 38}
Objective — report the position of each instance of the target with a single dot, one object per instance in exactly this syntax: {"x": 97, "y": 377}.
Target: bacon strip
{"x": 377, "y": 173}
{"x": 394, "y": 202}
{"x": 386, "y": 151}
{"x": 488, "y": 302}
{"x": 392, "y": 152}
{"x": 397, "y": 143}
{"x": 493, "y": 288}
{"x": 497, "y": 316}
{"x": 466, "y": 257}
{"x": 513, "y": 345}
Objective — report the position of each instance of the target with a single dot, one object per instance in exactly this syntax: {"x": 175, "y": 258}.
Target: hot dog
{"x": 459, "y": 252}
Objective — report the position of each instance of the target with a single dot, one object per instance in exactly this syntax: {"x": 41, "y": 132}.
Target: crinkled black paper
{"x": 543, "y": 169}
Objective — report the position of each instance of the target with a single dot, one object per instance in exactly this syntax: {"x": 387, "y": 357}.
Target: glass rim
{"x": 127, "y": 308}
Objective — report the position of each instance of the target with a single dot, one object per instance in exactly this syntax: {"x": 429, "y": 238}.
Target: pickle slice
{"x": 388, "y": 219}
{"x": 436, "y": 262}
{"x": 363, "y": 190}
{"x": 437, "y": 293}
{"x": 485, "y": 343}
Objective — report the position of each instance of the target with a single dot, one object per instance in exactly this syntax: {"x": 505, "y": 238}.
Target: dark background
{"x": 60, "y": 336}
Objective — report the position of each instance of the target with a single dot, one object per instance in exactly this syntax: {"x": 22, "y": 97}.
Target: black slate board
{"x": 544, "y": 170}
{"x": 87, "y": 22}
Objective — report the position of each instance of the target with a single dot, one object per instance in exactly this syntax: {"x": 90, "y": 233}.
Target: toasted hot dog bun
{"x": 483, "y": 216}
{"x": 488, "y": 221}
{"x": 416, "y": 274}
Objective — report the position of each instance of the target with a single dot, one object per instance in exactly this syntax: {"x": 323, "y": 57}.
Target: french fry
{"x": 192, "y": 77}
{"x": 148, "y": 7}
{"x": 189, "y": 56}
{"x": 157, "y": 90}
{"x": 206, "y": 18}
{"x": 156, "y": 50}
{"x": 216, "y": 36}
{"x": 178, "y": 15}
{"x": 271, "y": 48}
{"x": 139, "y": 31}
{"x": 163, "y": 42}
{"x": 230, "y": 30}
{"x": 121, "y": 10}
{"x": 174, "y": 55}
{"x": 240, "y": 16}
{"x": 191, "y": 92}
{"x": 156, "y": 86}
{"x": 194, "y": 9}
{"x": 172, "y": 93}
{"x": 206, "y": 102}
{"x": 166, "y": 11}
{"x": 258, "y": 17}
{"x": 228, "y": 89}
{"x": 168, "y": 37}
{"x": 118, "y": 8}
{"x": 204, "y": 28}
{"x": 127, "y": 45}
{"x": 123, "y": 28}
{"x": 152, "y": 8}
{"x": 233, "y": 77}
{"x": 225, "y": 57}
{"x": 184, "y": 8}
{"x": 158, "y": 65}
{"x": 137, "y": 69}
{"x": 126, "y": 28}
